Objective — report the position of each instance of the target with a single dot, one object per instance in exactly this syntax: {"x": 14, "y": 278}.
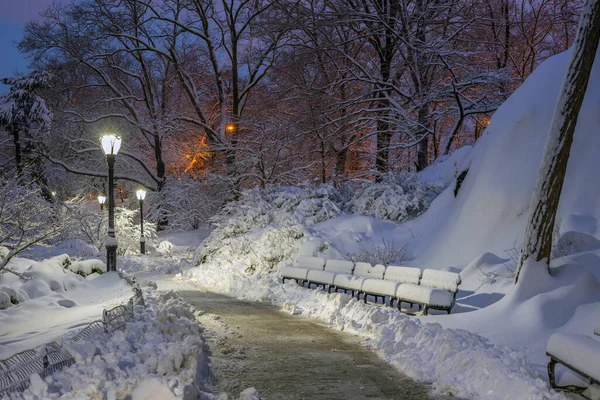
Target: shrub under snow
{"x": 397, "y": 198}
{"x": 260, "y": 230}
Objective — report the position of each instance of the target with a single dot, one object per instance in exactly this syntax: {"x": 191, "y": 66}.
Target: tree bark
{"x": 537, "y": 243}
{"x": 18, "y": 155}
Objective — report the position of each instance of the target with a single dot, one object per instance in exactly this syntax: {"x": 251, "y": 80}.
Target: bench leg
{"x": 425, "y": 310}
{"x": 552, "y": 378}
{"x": 365, "y": 298}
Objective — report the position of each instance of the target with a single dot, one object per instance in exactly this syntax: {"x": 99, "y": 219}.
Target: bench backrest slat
{"x": 377, "y": 271}
{"x": 310, "y": 262}
{"x": 441, "y": 280}
{"x": 362, "y": 269}
{"x": 339, "y": 266}
{"x": 402, "y": 274}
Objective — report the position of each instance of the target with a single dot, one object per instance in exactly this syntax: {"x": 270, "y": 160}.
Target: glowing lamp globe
{"x": 140, "y": 194}
{"x": 111, "y": 144}
{"x": 101, "y": 199}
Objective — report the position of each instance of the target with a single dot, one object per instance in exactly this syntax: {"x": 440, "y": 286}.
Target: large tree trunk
{"x": 537, "y": 243}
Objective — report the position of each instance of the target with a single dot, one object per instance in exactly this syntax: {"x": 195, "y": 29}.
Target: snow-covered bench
{"x": 326, "y": 277}
{"x": 393, "y": 277}
{"x": 433, "y": 290}
{"x": 354, "y": 282}
{"x": 579, "y": 353}
{"x": 436, "y": 290}
{"x": 299, "y": 272}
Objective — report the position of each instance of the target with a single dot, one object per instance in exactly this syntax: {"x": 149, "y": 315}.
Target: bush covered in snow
{"x": 282, "y": 205}
{"x": 260, "y": 230}
{"x": 397, "y": 197}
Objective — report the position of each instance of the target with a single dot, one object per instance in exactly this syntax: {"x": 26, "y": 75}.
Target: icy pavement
{"x": 289, "y": 357}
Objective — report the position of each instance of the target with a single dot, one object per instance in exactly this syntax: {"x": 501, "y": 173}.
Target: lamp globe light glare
{"x": 111, "y": 144}
{"x": 141, "y": 194}
{"x": 101, "y": 199}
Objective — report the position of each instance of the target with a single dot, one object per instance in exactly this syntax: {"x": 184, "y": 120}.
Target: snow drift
{"x": 490, "y": 211}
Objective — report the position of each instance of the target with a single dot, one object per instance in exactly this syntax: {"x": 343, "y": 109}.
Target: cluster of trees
{"x": 229, "y": 94}
{"x": 236, "y": 93}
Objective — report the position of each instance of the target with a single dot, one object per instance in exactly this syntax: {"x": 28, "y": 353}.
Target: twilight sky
{"x": 13, "y": 16}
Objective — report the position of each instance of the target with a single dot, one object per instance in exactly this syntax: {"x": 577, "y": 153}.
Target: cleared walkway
{"x": 288, "y": 357}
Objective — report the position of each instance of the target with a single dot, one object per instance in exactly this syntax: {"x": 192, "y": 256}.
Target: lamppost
{"x": 111, "y": 145}
{"x": 101, "y": 200}
{"x": 141, "y": 195}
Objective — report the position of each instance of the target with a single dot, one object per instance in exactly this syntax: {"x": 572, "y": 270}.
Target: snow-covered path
{"x": 289, "y": 357}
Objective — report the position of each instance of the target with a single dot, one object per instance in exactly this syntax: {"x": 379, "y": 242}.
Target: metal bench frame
{"x": 567, "y": 388}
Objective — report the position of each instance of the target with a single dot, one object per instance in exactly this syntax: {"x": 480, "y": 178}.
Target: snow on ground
{"x": 161, "y": 354}
{"x": 58, "y": 300}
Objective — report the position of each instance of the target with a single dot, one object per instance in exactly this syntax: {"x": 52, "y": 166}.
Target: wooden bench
{"x": 580, "y": 354}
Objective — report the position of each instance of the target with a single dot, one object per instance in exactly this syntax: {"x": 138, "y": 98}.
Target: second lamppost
{"x": 111, "y": 145}
{"x": 141, "y": 195}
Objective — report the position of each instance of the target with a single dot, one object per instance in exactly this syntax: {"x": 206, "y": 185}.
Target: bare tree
{"x": 26, "y": 218}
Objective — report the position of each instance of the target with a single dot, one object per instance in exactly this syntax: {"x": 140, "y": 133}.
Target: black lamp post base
{"x": 143, "y": 247}
{"x": 111, "y": 258}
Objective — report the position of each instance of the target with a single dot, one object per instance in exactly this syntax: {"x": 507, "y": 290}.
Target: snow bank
{"x": 57, "y": 300}
{"x": 491, "y": 209}
{"x": 45, "y": 278}
{"x": 156, "y": 356}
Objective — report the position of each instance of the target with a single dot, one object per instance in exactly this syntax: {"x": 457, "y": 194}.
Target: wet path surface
{"x": 288, "y": 357}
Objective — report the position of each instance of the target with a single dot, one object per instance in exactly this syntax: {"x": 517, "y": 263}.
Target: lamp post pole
{"x": 111, "y": 145}
{"x": 141, "y": 195}
{"x": 111, "y": 242}
{"x": 142, "y": 238}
